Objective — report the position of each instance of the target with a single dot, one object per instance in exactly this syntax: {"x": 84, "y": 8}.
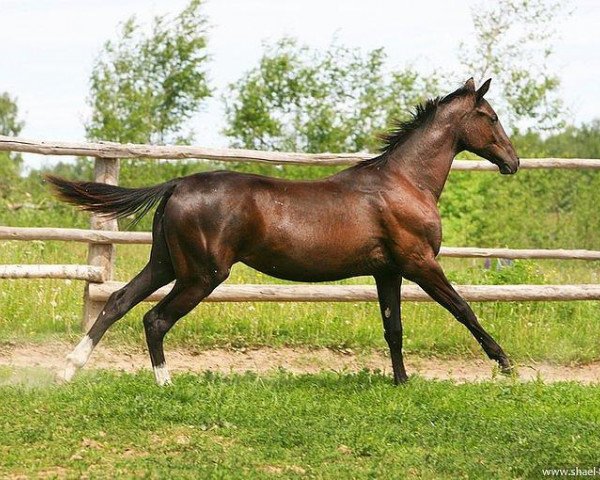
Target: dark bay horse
{"x": 378, "y": 218}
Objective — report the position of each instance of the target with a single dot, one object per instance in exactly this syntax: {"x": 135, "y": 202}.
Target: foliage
{"x": 328, "y": 426}
{"x": 513, "y": 42}
{"x": 572, "y": 142}
{"x": 145, "y": 85}
{"x": 298, "y": 99}
{"x": 10, "y": 125}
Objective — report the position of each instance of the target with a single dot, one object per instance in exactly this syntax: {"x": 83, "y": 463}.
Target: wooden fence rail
{"x": 109, "y": 150}
{"x": 72, "y": 272}
{"x": 75, "y": 235}
{"x": 103, "y": 235}
{"x": 368, "y": 293}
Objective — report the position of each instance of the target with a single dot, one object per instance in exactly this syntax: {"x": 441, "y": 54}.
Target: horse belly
{"x": 312, "y": 260}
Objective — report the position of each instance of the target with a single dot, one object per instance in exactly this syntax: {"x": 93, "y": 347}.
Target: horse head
{"x": 481, "y": 132}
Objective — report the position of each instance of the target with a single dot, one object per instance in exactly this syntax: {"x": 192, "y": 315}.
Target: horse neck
{"x": 425, "y": 157}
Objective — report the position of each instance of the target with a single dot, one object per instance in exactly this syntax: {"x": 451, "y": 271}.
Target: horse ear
{"x": 483, "y": 89}
{"x": 470, "y": 84}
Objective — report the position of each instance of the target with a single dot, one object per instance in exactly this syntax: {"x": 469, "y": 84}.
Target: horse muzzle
{"x": 509, "y": 167}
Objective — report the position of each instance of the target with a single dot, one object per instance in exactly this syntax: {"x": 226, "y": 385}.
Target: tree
{"x": 10, "y": 125}
{"x": 144, "y": 86}
{"x": 298, "y": 99}
{"x": 513, "y": 42}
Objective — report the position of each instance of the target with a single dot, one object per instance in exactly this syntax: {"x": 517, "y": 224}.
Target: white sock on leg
{"x": 161, "y": 373}
{"x": 78, "y": 357}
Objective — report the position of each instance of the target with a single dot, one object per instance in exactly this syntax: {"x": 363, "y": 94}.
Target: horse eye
{"x": 495, "y": 119}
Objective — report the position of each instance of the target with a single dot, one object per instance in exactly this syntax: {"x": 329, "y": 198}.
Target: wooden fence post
{"x": 106, "y": 170}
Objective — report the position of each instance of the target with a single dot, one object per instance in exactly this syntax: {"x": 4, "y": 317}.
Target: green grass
{"x": 563, "y": 332}
{"x": 107, "y": 425}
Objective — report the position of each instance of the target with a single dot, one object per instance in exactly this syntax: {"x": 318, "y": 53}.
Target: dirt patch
{"x": 50, "y": 356}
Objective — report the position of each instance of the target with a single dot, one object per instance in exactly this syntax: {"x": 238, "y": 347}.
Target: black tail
{"x": 110, "y": 200}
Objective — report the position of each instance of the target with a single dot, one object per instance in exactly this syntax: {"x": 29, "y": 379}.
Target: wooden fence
{"x": 104, "y": 234}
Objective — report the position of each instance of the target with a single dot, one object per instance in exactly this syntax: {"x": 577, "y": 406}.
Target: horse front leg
{"x": 388, "y": 291}
{"x": 428, "y": 274}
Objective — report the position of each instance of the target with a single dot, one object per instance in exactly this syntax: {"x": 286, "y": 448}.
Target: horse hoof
{"x": 68, "y": 373}
{"x": 400, "y": 380}
{"x": 506, "y": 367}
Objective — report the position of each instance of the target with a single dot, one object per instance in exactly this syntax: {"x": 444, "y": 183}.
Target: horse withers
{"x": 378, "y": 217}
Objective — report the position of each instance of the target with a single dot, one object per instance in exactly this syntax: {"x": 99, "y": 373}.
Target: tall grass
{"x": 37, "y": 310}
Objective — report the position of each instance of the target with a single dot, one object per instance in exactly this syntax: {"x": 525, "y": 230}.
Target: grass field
{"x": 283, "y": 426}
{"x": 560, "y": 332}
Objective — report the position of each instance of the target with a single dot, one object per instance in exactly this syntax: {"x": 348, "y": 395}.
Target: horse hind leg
{"x": 157, "y": 273}
{"x": 184, "y": 296}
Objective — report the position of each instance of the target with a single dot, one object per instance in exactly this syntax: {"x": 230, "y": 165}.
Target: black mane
{"x": 402, "y": 130}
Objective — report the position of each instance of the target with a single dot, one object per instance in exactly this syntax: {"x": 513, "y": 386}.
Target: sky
{"x": 47, "y": 49}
